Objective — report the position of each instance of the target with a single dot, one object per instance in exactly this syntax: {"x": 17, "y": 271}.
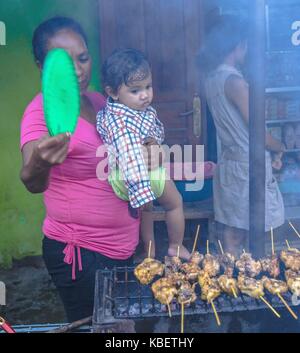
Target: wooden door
{"x": 170, "y": 33}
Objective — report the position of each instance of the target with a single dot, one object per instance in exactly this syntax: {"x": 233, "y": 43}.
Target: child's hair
{"x": 222, "y": 38}
{"x": 124, "y": 66}
{"x": 48, "y": 29}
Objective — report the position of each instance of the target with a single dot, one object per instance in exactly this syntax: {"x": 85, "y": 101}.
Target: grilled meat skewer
{"x": 163, "y": 290}
{"x": 248, "y": 266}
{"x": 211, "y": 265}
{"x": 148, "y": 269}
{"x": 186, "y": 294}
{"x": 291, "y": 258}
{"x": 250, "y": 286}
{"x": 270, "y": 264}
{"x": 210, "y": 290}
{"x": 293, "y": 281}
{"x": 274, "y": 286}
{"x": 228, "y": 285}
{"x": 196, "y": 258}
{"x": 227, "y": 262}
{"x": 191, "y": 271}
{"x": 172, "y": 264}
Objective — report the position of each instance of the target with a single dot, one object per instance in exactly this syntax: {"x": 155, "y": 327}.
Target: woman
{"x": 83, "y": 230}
{"x": 228, "y": 99}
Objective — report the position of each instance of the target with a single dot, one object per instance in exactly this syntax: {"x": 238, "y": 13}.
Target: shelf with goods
{"x": 287, "y": 89}
{"x": 283, "y": 123}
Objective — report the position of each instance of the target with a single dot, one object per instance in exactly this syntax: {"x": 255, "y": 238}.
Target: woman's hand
{"x": 38, "y": 158}
{"x": 52, "y": 150}
{"x": 153, "y": 153}
{"x": 277, "y": 162}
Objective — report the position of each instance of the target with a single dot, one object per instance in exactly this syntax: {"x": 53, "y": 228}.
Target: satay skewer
{"x": 178, "y": 248}
{"x": 222, "y": 251}
{"x": 215, "y": 312}
{"x": 255, "y": 289}
{"x": 207, "y": 246}
{"x": 269, "y": 305}
{"x": 233, "y": 291}
{"x": 169, "y": 310}
{"x": 182, "y": 317}
{"x": 196, "y": 238}
{"x": 290, "y": 223}
{"x": 221, "y": 247}
{"x": 149, "y": 249}
{"x": 277, "y": 287}
{"x": 287, "y": 243}
{"x": 287, "y": 306}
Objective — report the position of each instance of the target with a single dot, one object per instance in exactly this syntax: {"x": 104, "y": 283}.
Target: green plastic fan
{"x": 61, "y": 97}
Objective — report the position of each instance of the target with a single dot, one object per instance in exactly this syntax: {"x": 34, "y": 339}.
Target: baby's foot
{"x": 183, "y": 252}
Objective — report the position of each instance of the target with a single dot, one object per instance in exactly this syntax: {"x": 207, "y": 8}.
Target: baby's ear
{"x": 110, "y": 92}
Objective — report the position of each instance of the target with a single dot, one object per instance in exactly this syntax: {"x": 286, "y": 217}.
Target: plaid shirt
{"x": 124, "y": 131}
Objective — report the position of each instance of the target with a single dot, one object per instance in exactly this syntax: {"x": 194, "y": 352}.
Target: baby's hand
{"x": 153, "y": 154}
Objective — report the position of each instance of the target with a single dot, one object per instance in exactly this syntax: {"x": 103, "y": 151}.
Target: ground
{"x": 31, "y": 297}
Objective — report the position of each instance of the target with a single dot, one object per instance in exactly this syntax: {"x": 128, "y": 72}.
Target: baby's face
{"x": 137, "y": 94}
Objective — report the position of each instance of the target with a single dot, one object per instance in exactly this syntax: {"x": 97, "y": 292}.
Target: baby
{"x": 126, "y": 123}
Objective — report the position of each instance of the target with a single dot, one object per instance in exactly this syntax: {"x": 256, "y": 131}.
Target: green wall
{"x": 21, "y": 213}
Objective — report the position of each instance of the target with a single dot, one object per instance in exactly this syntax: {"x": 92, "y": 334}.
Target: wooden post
{"x": 256, "y": 47}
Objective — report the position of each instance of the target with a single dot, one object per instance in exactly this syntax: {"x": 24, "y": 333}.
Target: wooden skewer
{"x": 149, "y": 249}
{"x": 221, "y": 247}
{"x": 222, "y": 251}
{"x": 207, "y": 246}
{"x": 290, "y": 223}
{"x": 244, "y": 251}
{"x": 269, "y": 305}
{"x": 196, "y": 238}
{"x": 233, "y": 291}
{"x": 272, "y": 242}
{"x": 287, "y": 243}
{"x": 182, "y": 318}
{"x": 178, "y": 248}
{"x": 287, "y": 306}
{"x": 169, "y": 309}
{"x": 216, "y": 314}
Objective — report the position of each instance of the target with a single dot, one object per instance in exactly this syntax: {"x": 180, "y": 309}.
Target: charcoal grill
{"x": 119, "y": 296}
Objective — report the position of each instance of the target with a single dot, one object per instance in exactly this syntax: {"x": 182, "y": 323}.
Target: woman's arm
{"x": 38, "y": 158}
{"x": 237, "y": 91}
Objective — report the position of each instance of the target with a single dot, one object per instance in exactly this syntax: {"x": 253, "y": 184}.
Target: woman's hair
{"x": 46, "y": 30}
{"x": 221, "y": 39}
{"x": 124, "y": 66}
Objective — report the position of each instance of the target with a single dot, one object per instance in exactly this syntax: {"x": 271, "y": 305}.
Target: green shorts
{"x": 157, "y": 181}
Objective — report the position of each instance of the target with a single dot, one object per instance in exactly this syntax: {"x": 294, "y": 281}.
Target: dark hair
{"x": 46, "y": 30}
{"x": 222, "y": 38}
{"x": 124, "y": 66}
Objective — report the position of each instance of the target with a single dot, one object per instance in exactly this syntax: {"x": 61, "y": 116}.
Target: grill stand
{"x": 103, "y": 319}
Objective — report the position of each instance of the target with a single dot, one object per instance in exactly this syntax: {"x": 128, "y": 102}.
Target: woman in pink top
{"x": 86, "y": 226}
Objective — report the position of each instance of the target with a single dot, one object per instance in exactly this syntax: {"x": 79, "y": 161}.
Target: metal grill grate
{"x": 119, "y": 295}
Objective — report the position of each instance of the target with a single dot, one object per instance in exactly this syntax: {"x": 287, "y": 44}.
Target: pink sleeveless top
{"x": 82, "y": 210}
